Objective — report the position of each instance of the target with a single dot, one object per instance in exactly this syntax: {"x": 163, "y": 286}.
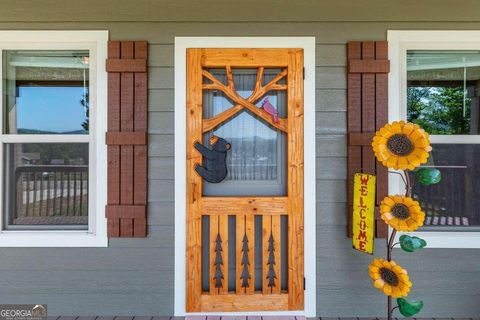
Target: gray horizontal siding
{"x": 135, "y": 276}
{"x": 245, "y": 11}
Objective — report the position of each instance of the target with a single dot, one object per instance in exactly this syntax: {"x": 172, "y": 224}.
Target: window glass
{"x": 46, "y": 184}
{"x": 455, "y": 200}
{"x": 46, "y": 92}
{"x": 443, "y": 91}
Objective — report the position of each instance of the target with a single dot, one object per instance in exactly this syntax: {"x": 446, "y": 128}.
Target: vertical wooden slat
{"x": 381, "y": 117}
{"x": 354, "y": 115}
{"x": 354, "y": 97}
{"x": 240, "y": 233}
{"x": 250, "y": 231}
{"x": 266, "y": 232}
{"x": 295, "y": 181}
{"x": 194, "y": 182}
{"x": 113, "y": 170}
{"x": 140, "y": 151}
{"x": 276, "y": 227}
{"x": 214, "y": 231}
{"x": 368, "y": 107}
{"x": 127, "y": 94}
{"x": 223, "y": 231}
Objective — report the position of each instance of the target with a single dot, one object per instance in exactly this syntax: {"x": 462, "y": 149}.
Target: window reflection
{"x": 455, "y": 200}
{"x": 443, "y": 91}
{"x": 46, "y": 92}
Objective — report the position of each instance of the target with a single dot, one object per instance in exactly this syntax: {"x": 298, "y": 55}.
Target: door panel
{"x": 245, "y": 253}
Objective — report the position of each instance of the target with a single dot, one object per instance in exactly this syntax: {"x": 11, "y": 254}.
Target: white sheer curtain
{"x": 256, "y": 161}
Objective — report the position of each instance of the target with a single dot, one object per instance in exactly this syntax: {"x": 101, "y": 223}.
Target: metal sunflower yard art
{"x": 401, "y": 146}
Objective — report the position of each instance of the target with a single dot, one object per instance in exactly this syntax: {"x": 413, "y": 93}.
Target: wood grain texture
{"x": 127, "y": 93}
{"x": 360, "y": 138}
{"x": 367, "y": 112}
{"x": 242, "y": 205}
{"x": 250, "y": 232}
{"x": 140, "y": 126}
{"x": 281, "y": 124}
{"x": 126, "y": 211}
{"x": 256, "y": 302}
{"x": 368, "y": 107}
{"x": 258, "y": 92}
{"x": 354, "y": 95}
{"x": 126, "y": 139}
{"x": 381, "y": 118}
{"x": 194, "y": 182}
{"x": 295, "y": 187}
{"x": 126, "y": 65}
{"x": 245, "y": 58}
{"x": 113, "y": 168}
{"x": 368, "y": 66}
{"x": 245, "y": 208}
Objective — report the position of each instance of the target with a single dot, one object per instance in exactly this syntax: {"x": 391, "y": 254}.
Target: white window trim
{"x": 308, "y": 44}
{"x": 398, "y": 44}
{"x": 96, "y": 42}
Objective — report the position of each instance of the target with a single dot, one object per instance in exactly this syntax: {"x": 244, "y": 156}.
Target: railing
{"x": 51, "y": 191}
{"x": 448, "y": 203}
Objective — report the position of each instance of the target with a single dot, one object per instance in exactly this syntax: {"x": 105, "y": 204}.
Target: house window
{"x": 435, "y": 82}
{"x": 52, "y": 138}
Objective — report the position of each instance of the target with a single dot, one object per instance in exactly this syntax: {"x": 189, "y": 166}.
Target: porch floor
{"x": 235, "y": 318}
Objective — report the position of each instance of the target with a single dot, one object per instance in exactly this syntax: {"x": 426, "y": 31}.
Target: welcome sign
{"x": 363, "y": 212}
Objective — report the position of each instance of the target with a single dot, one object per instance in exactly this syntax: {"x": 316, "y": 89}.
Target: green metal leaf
{"x": 428, "y": 176}
{"x": 409, "y": 308}
{"x": 411, "y": 244}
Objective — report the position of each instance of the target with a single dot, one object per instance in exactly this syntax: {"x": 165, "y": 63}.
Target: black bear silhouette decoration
{"x": 214, "y": 167}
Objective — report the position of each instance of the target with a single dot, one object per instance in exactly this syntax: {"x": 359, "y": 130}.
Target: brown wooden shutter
{"x": 126, "y": 138}
{"x": 368, "y": 68}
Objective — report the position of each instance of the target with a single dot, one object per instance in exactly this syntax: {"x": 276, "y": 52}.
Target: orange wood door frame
{"x": 270, "y": 298}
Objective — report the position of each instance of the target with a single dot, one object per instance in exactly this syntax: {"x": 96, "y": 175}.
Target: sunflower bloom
{"x": 401, "y": 145}
{"x": 390, "y": 278}
{"x": 402, "y": 213}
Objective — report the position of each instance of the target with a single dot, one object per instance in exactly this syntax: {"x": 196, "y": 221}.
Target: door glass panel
{"x": 256, "y": 162}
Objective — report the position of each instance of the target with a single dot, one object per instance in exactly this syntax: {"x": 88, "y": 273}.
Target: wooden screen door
{"x": 245, "y": 234}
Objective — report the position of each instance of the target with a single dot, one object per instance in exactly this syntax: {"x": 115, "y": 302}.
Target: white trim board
{"x": 308, "y": 44}
{"x": 398, "y": 44}
{"x": 96, "y": 43}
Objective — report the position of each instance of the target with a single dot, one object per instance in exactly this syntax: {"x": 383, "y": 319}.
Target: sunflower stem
{"x": 390, "y": 244}
{"x": 408, "y": 184}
